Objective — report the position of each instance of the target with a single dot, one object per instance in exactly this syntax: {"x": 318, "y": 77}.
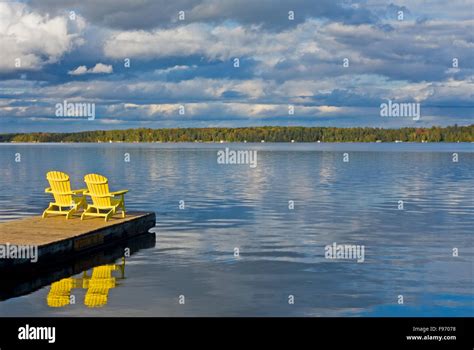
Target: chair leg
{"x": 122, "y": 208}
{"x": 82, "y": 204}
{"x": 70, "y": 212}
{"x": 84, "y": 213}
{"x": 109, "y": 214}
{"x": 45, "y": 213}
{"x": 122, "y": 205}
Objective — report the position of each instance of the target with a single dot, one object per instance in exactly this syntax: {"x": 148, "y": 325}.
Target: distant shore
{"x": 262, "y": 134}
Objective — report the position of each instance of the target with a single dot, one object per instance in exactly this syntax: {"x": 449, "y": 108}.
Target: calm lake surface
{"x": 408, "y": 252}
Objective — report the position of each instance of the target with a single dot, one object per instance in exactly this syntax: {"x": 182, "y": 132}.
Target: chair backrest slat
{"x": 61, "y": 187}
{"x": 97, "y": 186}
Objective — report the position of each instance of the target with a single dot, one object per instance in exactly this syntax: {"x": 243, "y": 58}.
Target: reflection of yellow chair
{"x": 98, "y": 286}
{"x": 102, "y": 198}
{"x": 60, "y": 293}
{"x": 64, "y": 197}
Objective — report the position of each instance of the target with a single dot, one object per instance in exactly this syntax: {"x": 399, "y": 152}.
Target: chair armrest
{"x": 108, "y": 195}
{"x": 118, "y": 193}
{"x": 80, "y": 191}
{"x": 49, "y": 190}
{"x": 111, "y": 194}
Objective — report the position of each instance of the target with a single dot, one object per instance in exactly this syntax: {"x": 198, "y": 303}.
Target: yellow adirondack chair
{"x": 104, "y": 203}
{"x": 70, "y": 200}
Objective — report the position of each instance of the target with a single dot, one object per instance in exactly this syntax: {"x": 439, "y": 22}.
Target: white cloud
{"x": 214, "y": 42}
{"x": 99, "y": 68}
{"x": 234, "y": 109}
{"x": 409, "y": 51}
{"x": 29, "y": 40}
{"x": 78, "y": 71}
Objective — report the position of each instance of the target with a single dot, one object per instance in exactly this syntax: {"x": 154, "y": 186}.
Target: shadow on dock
{"x": 18, "y": 281}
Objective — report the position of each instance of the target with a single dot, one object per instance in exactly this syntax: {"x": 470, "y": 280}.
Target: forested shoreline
{"x": 255, "y": 134}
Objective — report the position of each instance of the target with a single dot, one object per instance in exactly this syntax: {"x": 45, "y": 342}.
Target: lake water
{"x": 281, "y": 251}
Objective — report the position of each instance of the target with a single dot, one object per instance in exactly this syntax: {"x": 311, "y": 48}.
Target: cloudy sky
{"x": 334, "y": 61}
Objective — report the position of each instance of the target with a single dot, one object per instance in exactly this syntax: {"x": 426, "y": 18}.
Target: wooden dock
{"x": 55, "y": 237}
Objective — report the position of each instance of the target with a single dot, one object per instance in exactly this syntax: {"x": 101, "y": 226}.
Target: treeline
{"x": 256, "y": 134}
